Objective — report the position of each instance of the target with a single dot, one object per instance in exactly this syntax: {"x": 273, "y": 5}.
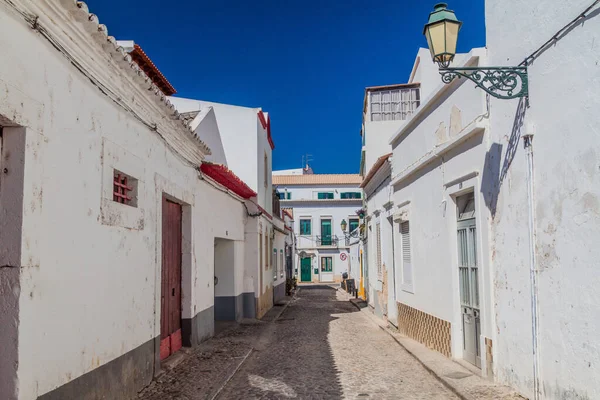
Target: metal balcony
{"x": 328, "y": 241}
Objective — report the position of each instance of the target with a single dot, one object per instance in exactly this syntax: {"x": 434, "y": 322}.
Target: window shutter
{"x": 406, "y": 256}
{"x": 378, "y": 248}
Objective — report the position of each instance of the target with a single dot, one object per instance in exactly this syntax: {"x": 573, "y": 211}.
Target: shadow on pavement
{"x": 294, "y": 359}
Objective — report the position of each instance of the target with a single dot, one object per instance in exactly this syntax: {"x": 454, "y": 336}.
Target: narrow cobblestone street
{"x": 320, "y": 347}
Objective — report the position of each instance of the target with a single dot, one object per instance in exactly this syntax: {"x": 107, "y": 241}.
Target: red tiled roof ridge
{"x": 225, "y": 177}
{"x": 317, "y": 179}
{"x": 163, "y": 82}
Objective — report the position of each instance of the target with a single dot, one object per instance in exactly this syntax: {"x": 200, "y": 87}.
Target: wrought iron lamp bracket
{"x": 500, "y": 82}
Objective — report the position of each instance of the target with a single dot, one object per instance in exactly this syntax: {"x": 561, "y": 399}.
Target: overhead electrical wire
{"x": 527, "y": 61}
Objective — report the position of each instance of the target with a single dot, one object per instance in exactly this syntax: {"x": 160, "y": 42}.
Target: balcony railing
{"x": 327, "y": 241}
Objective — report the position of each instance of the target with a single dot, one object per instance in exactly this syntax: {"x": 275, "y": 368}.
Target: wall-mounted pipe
{"x": 528, "y": 143}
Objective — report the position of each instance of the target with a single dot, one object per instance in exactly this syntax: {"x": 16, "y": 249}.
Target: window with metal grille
{"x": 378, "y": 238}
{"x": 394, "y": 104}
{"x": 407, "y": 274}
{"x": 124, "y": 189}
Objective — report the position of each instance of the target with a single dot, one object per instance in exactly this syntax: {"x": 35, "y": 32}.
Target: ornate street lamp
{"x": 441, "y": 32}
{"x": 344, "y": 225}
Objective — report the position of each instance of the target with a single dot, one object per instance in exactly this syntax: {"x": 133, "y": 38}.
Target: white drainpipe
{"x": 528, "y": 143}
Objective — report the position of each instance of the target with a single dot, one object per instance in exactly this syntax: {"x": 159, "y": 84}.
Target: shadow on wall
{"x": 494, "y": 176}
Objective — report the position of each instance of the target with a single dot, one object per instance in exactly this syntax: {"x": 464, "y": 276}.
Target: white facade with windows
{"x": 319, "y": 205}
{"x": 437, "y": 161}
{"x": 100, "y": 173}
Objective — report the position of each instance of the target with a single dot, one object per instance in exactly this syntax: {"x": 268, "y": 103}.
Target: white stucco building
{"x": 437, "y": 158}
{"x": 241, "y": 139}
{"x": 557, "y": 237}
{"x": 120, "y": 243}
{"x": 493, "y": 210}
{"x": 319, "y": 203}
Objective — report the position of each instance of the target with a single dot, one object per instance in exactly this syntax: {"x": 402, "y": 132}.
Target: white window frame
{"x": 402, "y": 103}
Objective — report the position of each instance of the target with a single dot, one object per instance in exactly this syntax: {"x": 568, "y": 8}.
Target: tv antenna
{"x": 306, "y": 159}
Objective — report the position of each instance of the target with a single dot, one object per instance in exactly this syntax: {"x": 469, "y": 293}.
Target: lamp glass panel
{"x": 451, "y": 36}
{"x": 436, "y": 38}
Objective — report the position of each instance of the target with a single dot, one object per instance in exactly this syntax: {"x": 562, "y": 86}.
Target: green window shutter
{"x": 305, "y": 228}
{"x": 288, "y": 195}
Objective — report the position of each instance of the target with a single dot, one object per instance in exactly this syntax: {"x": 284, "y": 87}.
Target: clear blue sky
{"x": 305, "y": 62}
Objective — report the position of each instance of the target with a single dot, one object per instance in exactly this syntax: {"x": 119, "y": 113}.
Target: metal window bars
{"x": 121, "y": 189}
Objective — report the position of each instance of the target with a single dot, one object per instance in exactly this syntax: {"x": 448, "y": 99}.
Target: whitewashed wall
{"x": 237, "y": 126}
{"x": 377, "y": 135}
{"x": 442, "y": 154}
{"x": 564, "y": 87}
{"x": 75, "y": 264}
{"x": 379, "y": 199}
{"x": 264, "y": 178}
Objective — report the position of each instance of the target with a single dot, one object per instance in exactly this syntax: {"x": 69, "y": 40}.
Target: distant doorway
{"x": 226, "y": 301}
{"x": 305, "y": 266}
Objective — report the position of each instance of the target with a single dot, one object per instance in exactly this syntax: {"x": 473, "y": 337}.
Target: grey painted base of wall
{"x": 119, "y": 379}
{"x": 123, "y": 377}
{"x": 278, "y": 292}
{"x": 249, "y": 308}
{"x": 229, "y": 308}
{"x": 196, "y": 330}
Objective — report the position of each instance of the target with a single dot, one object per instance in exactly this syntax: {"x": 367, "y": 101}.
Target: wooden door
{"x": 170, "y": 306}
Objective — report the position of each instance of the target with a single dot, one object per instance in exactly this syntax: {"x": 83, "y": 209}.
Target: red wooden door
{"x": 170, "y": 301}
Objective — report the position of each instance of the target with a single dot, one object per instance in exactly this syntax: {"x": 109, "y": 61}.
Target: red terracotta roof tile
{"x": 222, "y": 175}
{"x": 145, "y": 63}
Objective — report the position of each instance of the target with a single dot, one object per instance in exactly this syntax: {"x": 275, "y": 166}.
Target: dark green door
{"x": 305, "y": 275}
{"x": 325, "y": 232}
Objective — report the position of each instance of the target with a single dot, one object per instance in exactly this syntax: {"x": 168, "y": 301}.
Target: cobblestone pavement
{"x": 321, "y": 347}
